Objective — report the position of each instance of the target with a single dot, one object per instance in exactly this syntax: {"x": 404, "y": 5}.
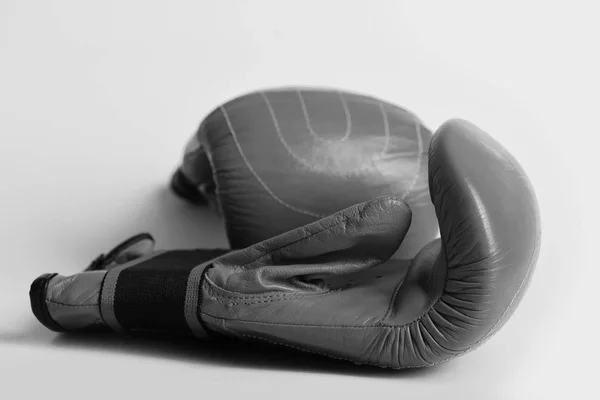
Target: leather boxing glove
{"x": 275, "y": 160}
{"x": 330, "y": 287}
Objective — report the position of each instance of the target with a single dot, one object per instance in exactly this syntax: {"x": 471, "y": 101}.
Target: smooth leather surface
{"x": 278, "y": 159}
{"x": 331, "y": 287}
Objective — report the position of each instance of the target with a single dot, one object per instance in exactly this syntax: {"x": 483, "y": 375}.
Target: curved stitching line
{"x": 203, "y": 140}
{"x": 348, "y": 116}
{"x": 386, "y": 125}
{"x": 309, "y": 124}
{"x": 300, "y": 160}
{"x": 280, "y": 135}
{"x": 419, "y": 135}
{"x": 258, "y": 178}
{"x": 419, "y": 155}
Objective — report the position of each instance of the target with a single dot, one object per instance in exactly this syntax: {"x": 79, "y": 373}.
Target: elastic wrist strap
{"x": 159, "y": 294}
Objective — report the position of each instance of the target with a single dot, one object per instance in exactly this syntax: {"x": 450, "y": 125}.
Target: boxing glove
{"x": 274, "y": 160}
{"x": 330, "y": 287}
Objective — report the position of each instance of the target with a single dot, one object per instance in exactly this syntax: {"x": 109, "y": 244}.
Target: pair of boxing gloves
{"x": 332, "y": 203}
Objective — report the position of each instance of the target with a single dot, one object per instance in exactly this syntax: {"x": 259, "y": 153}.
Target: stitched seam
{"x": 70, "y": 305}
{"x": 257, "y": 298}
{"x": 258, "y": 178}
{"x": 287, "y": 147}
{"x": 251, "y": 297}
{"x": 309, "y": 124}
{"x": 386, "y": 124}
{"x": 353, "y": 327}
{"x": 348, "y": 116}
{"x": 308, "y": 164}
{"x": 240, "y": 295}
{"x": 216, "y": 199}
{"x": 419, "y": 134}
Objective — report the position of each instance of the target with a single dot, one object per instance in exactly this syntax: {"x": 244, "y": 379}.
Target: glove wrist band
{"x": 160, "y": 292}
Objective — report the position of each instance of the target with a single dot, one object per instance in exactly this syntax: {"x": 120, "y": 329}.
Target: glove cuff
{"x": 160, "y": 292}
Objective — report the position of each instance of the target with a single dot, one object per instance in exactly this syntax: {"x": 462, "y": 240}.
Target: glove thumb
{"x": 359, "y": 237}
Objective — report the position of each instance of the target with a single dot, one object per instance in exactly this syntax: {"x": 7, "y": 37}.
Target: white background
{"x": 98, "y": 98}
